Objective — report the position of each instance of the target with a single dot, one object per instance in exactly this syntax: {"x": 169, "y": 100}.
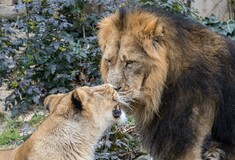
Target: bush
{"x": 224, "y": 28}
{"x": 119, "y": 144}
{"x": 51, "y": 49}
{"x": 11, "y": 133}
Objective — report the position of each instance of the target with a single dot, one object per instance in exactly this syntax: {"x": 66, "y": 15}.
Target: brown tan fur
{"x": 180, "y": 70}
{"x": 128, "y": 51}
{"x": 75, "y": 124}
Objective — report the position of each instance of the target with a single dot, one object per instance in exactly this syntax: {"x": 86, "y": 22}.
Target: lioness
{"x": 185, "y": 76}
{"x": 75, "y": 124}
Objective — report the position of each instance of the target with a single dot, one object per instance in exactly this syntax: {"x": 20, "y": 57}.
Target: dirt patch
{"x": 3, "y": 94}
{"x": 9, "y": 11}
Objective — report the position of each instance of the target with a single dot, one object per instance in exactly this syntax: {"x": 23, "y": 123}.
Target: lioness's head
{"x": 98, "y": 105}
{"x": 134, "y": 56}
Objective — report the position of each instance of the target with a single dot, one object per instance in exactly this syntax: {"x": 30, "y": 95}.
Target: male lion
{"x": 75, "y": 124}
{"x": 185, "y": 76}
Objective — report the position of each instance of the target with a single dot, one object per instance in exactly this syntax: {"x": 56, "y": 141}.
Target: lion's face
{"x": 134, "y": 55}
{"x": 125, "y": 70}
{"x": 97, "y": 104}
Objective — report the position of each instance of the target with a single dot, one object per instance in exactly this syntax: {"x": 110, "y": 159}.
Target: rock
{"x": 144, "y": 157}
{"x": 1, "y": 129}
{"x": 8, "y": 12}
{"x": 7, "y": 2}
{"x": 3, "y": 94}
{"x": 28, "y": 117}
{"x": 40, "y": 113}
{"x": 26, "y": 130}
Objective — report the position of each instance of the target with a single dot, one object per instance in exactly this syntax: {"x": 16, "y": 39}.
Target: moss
{"x": 9, "y": 135}
{"x": 36, "y": 120}
{"x": 11, "y": 132}
{"x": 2, "y": 116}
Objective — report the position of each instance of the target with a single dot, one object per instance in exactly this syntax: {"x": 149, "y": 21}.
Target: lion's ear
{"x": 151, "y": 37}
{"x": 153, "y": 29}
{"x": 52, "y": 101}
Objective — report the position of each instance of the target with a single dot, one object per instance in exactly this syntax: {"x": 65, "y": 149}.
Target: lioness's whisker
{"x": 126, "y": 101}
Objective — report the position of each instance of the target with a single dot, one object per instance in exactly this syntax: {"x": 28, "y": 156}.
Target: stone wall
{"x": 205, "y": 8}
{"x": 8, "y": 2}
{"x": 7, "y": 9}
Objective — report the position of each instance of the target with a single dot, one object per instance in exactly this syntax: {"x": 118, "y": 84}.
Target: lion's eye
{"x": 107, "y": 62}
{"x": 129, "y": 63}
{"x": 155, "y": 43}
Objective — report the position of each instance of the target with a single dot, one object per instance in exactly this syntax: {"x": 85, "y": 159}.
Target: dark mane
{"x": 121, "y": 17}
{"x": 209, "y": 78}
{"x": 189, "y": 92}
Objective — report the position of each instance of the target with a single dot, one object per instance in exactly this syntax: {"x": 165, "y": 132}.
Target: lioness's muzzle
{"x": 117, "y": 112}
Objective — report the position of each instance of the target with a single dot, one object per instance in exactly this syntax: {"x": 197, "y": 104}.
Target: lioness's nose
{"x": 117, "y": 113}
{"x": 117, "y": 88}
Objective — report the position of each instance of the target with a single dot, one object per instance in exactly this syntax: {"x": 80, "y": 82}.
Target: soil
{"x": 9, "y": 12}
{"x": 25, "y": 130}
{"x": 3, "y": 94}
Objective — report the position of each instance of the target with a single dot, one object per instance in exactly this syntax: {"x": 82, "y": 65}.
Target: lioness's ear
{"x": 80, "y": 96}
{"x": 46, "y": 102}
{"x": 52, "y": 101}
{"x": 76, "y": 100}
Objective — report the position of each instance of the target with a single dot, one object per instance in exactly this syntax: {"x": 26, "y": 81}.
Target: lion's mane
{"x": 194, "y": 79}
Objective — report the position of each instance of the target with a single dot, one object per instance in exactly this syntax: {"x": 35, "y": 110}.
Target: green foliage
{"x": 36, "y": 120}
{"x": 177, "y": 6}
{"x": 52, "y": 49}
{"x": 11, "y": 133}
{"x": 2, "y": 116}
{"x": 224, "y": 28}
{"x": 120, "y": 143}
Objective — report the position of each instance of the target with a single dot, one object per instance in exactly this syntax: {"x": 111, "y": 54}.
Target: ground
{"x": 9, "y": 12}
{"x": 116, "y": 141}
{"x": 14, "y": 131}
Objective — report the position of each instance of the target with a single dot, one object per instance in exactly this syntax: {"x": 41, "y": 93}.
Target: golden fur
{"x": 76, "y": 122}
{"x": 177, "y": 67}
{"x": 137, "y": 33}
